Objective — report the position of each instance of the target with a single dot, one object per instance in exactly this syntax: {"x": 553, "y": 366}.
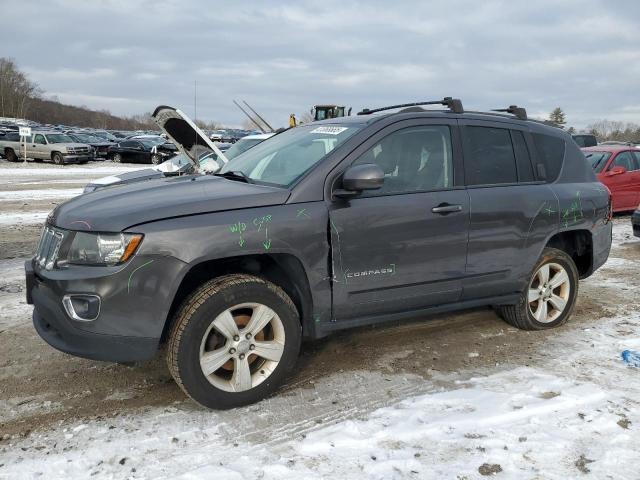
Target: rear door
{"x": 402, "y": 247}
{"x": 624, "y": 186}
{"x": 510, "y": 211}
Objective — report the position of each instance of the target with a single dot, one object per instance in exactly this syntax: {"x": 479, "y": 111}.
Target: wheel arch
{"x": 283, "y": 269}
{"x": 578, "y": 244}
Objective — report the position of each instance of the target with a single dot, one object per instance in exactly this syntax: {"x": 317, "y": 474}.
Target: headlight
{"x": 102, "y": 248}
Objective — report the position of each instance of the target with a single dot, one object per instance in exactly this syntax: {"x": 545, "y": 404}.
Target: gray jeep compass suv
{"x": 330, "y": 225}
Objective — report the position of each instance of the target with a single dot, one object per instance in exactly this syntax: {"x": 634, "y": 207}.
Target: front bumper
{"x": 135, "y": 302}
{"x": 635, "y": 222}
{"x": 71, "y": 158}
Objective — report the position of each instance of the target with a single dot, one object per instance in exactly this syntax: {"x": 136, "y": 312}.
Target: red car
{"x": 618, "y": 167}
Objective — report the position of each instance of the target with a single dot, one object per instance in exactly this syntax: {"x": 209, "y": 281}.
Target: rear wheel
{"x": 234, "y": 341}
{"x": 57, "y": 158}
{"x": 550, "y": 296}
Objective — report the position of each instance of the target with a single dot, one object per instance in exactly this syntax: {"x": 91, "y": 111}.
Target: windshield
{"x": 89, "y": 138}
{"x": 150, "y": 142}
{"x": 283, "y": 158}
{"x": 59, "y": 138}
{"x": 240, "y": 146}
{"x": 597, "y": 160}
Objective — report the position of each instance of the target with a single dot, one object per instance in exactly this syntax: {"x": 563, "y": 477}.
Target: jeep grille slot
{"x": 47, "y": 252}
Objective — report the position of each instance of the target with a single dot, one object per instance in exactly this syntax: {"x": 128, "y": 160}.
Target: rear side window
{"x": 12, "y": 137}
{"x": 550, "y": 154}
{"x": 488, "y": 156}
{"x": 523, "y": 159}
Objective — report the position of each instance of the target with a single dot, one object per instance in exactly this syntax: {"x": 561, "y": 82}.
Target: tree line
{"x": 22, "y": 98}
{"x": 603, "y": 130}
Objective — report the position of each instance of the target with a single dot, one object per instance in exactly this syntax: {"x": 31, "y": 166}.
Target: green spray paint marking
{"x": 316, "y": 317}
{"x": 549, "y": 211}
{"x": 267, "y": 241}
{"x": 238, "y": 228}
{"x": 131, "y": 276}
{"x": 302, "y": 213}
{"x": 262, "y": 221}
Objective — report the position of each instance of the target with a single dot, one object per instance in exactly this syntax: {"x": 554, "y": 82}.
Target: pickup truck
{"x": 45, "y": 145}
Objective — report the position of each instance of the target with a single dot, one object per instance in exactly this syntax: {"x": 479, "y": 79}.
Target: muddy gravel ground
{"x": 344, "y": 377}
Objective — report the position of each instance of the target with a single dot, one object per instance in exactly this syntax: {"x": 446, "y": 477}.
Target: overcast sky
{"x": 283, "y": 57}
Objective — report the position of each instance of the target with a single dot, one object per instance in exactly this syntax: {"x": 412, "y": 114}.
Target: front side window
{"x": 39, "y": 139}
{"x": 597, "y": 160}
{"x": 284, "y": 158}
{"x": 414, "y": 159}
{"x": 626, "y": 160}
{"x": 489, "y": 157}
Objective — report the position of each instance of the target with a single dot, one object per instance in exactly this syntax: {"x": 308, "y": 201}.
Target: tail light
{"x": 610, "y": 205}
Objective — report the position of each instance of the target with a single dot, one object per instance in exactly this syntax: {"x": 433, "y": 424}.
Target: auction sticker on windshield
{"x": 330, "y": 130}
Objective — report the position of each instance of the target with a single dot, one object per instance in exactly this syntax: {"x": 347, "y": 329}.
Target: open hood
{"x": 189, "y": 139}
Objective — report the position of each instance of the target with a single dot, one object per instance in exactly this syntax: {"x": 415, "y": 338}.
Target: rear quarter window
{"x": 550, "y": 153}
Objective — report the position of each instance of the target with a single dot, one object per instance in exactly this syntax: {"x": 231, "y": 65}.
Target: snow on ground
{"x": 544, "y": 422}
{"x": 50, "y": 170}
{"x": 22, "y": 218}
{"x": 39, "y": 194}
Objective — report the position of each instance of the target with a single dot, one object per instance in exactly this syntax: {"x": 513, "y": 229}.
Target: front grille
{"x": 47, "y": 252}
{"x": 78, "y": 150}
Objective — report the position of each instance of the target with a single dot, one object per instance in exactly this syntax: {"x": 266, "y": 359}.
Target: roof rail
{"x": 453, "y": 104}
{"x": 518, "y": 112}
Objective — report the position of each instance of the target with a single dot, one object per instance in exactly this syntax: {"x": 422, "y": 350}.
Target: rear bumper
{"x": 635, "y": 222}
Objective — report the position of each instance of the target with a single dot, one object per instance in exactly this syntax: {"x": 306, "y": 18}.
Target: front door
{"x": 39, "y": 145}
{"x": 624, "y": 191}
{"x": 404, "y": 246}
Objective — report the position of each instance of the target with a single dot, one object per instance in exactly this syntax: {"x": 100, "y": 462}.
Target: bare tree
{"x": 613, "y": 130}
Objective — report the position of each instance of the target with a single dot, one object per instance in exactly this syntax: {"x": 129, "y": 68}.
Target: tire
{"x": 11, "y": 155}
{"x": 196, "y": 334}
{"x": 529, "y": 313}
{"x": 57, "y": 158}
{"x": 155, "y": 159}
{"x": 117, "y": 158}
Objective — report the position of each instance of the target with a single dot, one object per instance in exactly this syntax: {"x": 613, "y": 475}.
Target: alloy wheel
{"x": 549, "y": 292}
{"x": 242, "y": 347}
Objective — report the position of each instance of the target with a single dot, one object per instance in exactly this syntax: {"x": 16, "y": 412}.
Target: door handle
{"x": 445, "y": 208}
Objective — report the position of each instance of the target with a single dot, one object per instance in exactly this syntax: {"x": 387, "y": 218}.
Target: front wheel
{"x": 550, "y": 296}
{"x": 155, "y": 159}
{"x": 234, "y": 341}
{"x": 57, "y": 158}
{"x": 117, "y": 158}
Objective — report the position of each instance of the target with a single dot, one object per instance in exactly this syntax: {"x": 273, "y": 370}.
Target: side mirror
{"x": 357, "y": 178}
{"x": 617, "y": 170}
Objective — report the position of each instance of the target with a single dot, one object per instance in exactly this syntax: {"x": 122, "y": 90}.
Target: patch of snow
{"x": 38, "y": 194}
{"x": 22, "y": 218}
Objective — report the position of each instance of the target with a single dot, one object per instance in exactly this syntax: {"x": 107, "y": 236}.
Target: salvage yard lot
{"x": 459, "y": 395}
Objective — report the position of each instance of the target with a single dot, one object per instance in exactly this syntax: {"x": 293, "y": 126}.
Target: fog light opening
{"x": 82, "y": 307}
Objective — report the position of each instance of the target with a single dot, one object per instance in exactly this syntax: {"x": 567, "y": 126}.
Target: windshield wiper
{"x": 234, "y": 175}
